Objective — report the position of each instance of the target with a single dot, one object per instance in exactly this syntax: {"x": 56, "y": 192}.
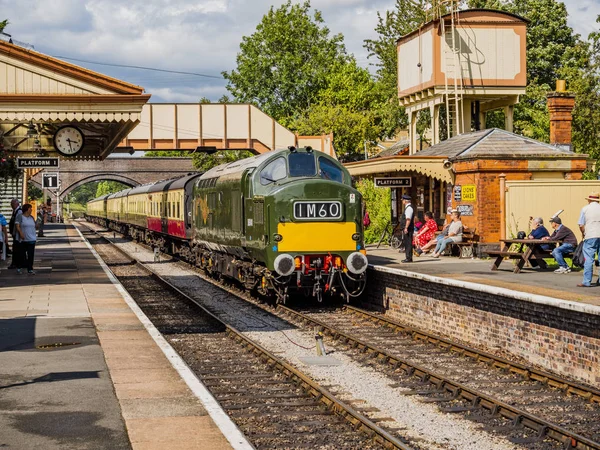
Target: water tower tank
{"x": 473, "y": 61}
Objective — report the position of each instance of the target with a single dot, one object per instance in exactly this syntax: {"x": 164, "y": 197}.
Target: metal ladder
{"x": 454, "y": 69}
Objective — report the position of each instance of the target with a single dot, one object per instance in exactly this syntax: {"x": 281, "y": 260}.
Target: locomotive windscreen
{"x": 302, "y": 165}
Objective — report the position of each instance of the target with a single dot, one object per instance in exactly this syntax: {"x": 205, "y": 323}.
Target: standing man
{"x": 589, "y": 224}
{"x": 569, "y": 242}
{"x": 14, "y": 204}
{"x": 3, "y": 237}
{"x": 409, "y": 228}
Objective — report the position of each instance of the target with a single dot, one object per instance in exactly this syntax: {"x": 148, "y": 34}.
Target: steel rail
{"x": 546, "y": 378}
{"x": 358, "y": 421}
{"x": 457, "y": 390}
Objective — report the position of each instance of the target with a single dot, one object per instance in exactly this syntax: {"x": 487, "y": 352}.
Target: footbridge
{"x": 129, "y": 170}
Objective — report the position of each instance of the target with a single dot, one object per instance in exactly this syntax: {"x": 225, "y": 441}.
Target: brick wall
{"x": 560, "y": 340}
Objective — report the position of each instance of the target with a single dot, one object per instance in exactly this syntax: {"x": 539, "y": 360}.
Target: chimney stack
{"x": 560, "y": 105}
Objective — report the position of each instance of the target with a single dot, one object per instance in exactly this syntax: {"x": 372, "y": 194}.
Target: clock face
{"x": 68, "y": 140}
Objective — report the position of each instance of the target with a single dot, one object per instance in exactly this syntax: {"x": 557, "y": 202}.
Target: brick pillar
{"x": 560, "y": 105}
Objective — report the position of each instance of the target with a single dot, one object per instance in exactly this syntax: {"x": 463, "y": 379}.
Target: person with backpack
{"x": 17, "y": 211}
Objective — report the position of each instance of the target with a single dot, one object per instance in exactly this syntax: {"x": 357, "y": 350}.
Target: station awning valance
{"x": 431, "y": 166}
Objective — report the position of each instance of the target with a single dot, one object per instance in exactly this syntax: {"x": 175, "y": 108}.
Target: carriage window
{"x": 274, "y": 171}
{"x": 329, "y": 170}
{"x": 302, "y": 165}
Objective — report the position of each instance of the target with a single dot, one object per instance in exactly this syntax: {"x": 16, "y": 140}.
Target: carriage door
{"x": 164, "y": 204}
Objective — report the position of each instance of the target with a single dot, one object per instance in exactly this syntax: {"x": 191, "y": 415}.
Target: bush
{"x": 378, "y": 204}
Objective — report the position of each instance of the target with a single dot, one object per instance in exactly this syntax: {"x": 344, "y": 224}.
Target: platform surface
{"x": 530, "y": 281}
{"x": 78, "y": 370}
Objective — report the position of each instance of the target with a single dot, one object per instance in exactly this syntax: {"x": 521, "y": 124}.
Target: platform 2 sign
{"x": 393, "y": 182}
{"x": 37, "y": 163}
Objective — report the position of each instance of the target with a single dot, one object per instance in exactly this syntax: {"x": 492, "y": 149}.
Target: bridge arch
{"x": 100, "y": 177}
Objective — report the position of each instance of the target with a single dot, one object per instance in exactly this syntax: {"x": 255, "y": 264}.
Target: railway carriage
{"x": 97, "y": 208}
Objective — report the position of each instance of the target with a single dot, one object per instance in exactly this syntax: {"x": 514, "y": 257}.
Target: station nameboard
{"x": 393, "y": 182}
{"x": 37, "y": 163}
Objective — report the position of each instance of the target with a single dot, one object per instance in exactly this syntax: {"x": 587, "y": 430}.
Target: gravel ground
{"x": 418, "y": 421}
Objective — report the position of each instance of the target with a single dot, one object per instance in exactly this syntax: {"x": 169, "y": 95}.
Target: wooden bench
{"x": 465, "y": 248}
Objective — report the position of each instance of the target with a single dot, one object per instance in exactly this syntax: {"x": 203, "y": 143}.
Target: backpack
{"x": 578, "y": 258}
{"x": 366, "y": 220}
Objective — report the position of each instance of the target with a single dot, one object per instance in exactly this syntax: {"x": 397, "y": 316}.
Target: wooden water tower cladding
{"x": 489, "y": 47}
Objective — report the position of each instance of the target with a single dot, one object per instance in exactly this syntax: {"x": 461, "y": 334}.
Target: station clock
{"x": 68, "y": 140}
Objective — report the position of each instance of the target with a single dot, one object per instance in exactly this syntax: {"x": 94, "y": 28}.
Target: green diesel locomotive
{"x": 287, "y": 220}
{"x": 281, "y": 222}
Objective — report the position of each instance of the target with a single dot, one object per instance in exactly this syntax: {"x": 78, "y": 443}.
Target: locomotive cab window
{"x": 329, "y": 170}
{"x": 274, "y": 171}
{"x": 302, "y": 165}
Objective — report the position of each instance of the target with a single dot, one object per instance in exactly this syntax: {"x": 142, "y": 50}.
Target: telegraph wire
{"x": 139, "y": 67}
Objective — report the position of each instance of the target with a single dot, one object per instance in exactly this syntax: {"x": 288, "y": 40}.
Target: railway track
{"x": 530, "y": 406}
{"x": 274, "y": 404}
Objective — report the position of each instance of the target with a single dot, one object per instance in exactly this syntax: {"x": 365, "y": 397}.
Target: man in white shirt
{"x": 589, "y": 224}
{"x": 409, "y": 228}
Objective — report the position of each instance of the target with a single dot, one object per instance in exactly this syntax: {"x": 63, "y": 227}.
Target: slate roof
{"x": 396, "y": 149}
{"x": 495, "y": 143}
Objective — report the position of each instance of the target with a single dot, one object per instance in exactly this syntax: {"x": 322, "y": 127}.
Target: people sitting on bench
{"x": 538, "y": 231}
{"x": 562, "y": 233}
{"x": 426, "y": 234}
{"x": 455, "y": 231}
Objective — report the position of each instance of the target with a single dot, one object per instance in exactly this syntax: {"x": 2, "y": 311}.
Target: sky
{"x": 197, "y": 36}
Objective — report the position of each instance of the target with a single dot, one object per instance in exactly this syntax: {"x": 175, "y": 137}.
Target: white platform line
{"x": 229, "y": 429}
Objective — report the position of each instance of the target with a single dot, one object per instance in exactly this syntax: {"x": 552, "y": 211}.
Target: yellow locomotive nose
{"x": 316, "y": 236}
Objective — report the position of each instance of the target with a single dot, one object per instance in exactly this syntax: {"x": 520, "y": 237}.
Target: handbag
{"x": 578, "y": 258}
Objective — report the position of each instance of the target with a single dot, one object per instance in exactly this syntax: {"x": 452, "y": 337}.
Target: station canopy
{"x": 40, "y": 94}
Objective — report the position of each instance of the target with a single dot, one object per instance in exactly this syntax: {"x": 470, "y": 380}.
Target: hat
{"x": 594, "y": 196}
{"x": 556, "y": 220}
{"x": 406, "y": 197}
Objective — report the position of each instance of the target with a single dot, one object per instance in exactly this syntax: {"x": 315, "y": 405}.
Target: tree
{"x": 284, "y": 64}
{"x": 346, "y": 107}
{"x": 3, "y": 25}
{"x": 34, "y": 192}
{"x": 204, "y": 161}
{"x": 167, "y": 154}
{"x": 377, "y": 202}
{"x": 109, "y": 187}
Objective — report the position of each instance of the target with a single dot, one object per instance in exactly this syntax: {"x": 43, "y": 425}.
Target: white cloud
{"x": 200, "y": 36}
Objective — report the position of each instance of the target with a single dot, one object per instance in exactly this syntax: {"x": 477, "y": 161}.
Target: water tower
{"x": 471, "y": 61}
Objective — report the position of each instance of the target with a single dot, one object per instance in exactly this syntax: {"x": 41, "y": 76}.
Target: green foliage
{"x": 203, "y": 161}
{"x": 109, "y": 187}
{"x": 166, "y": 154}
{"x": 3, "y": 24}
{"x": 345, "y": 108}
{"x": 34, "y": 192}
{"x": 84, "y": 193}
{"x": 377, "y": 202}
{"x": 284, "y": 64}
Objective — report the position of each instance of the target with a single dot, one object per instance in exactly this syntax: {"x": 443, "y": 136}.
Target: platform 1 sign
{"x": 50, "y": 180}
{"x": 393, "y": 182}
{"x": 37, "y": 163}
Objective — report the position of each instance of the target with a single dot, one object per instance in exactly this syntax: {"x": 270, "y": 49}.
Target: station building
{"x": 470, "y": 63}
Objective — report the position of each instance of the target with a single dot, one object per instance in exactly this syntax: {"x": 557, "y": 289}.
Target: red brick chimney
{"x": 560, "y": 105}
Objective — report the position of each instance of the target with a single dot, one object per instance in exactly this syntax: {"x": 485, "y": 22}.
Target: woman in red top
{"x": 426, "y": 233}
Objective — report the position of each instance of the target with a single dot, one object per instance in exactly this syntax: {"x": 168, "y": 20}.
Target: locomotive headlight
{"x": 277, "y": 237}
{"x": 356, "y": 237}
{"x": 284, "y": 264}
{"x": 357, "y": 263}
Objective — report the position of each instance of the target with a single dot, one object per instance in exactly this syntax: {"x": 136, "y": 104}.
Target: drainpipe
{"x": 502, "y": 206}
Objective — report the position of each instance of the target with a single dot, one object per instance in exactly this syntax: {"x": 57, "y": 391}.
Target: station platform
{"x": 79, "y": 369}
{"x": 530, "y": 281}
